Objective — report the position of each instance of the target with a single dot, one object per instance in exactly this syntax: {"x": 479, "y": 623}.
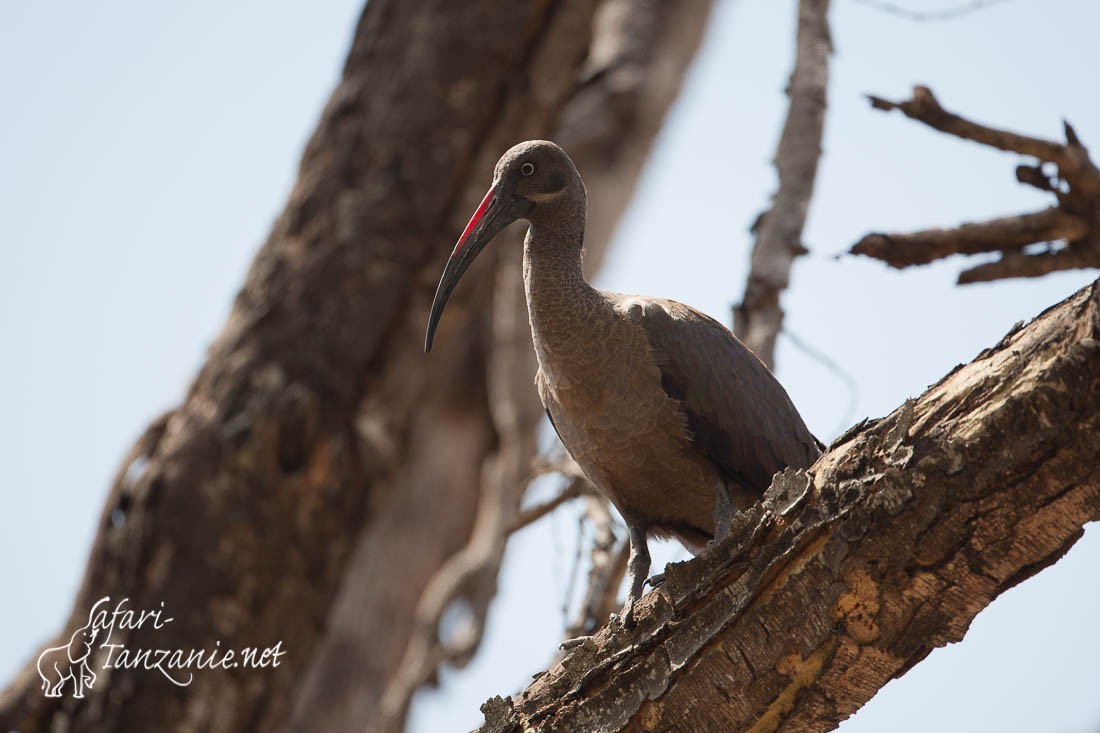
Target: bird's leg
{"x": 638, "y": 566}
{"x": 724, "y": 510}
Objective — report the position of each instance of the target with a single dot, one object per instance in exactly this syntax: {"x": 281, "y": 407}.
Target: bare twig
{"x": 758, "y": 319}
{"x": 556, "y": 461}
{"x": 572, "y": 490}
{"x": 922, "y": 16}
{"x": 574, "y": 570}
{"x": 609, "y": 556}
{"x": 924, "y": 107}
{"x": 840, "y": 372}
{"x": 1071, "y": 228}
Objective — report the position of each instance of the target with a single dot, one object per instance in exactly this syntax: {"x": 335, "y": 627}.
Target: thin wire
{"x": 931, "y": 15}
{"x": 837, "y": 371}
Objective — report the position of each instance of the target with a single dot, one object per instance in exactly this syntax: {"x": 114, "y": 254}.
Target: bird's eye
{"x": 527, "y": 169}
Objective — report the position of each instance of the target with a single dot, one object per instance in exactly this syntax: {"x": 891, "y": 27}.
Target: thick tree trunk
{"x": 321, "y": 468}
{"x": 847, "y": 576}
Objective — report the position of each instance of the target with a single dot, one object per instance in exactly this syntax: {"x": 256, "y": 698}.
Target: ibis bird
{"x": 676, "y": 421}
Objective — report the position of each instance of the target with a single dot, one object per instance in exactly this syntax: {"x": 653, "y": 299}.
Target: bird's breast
{"x": 607, "y": 404}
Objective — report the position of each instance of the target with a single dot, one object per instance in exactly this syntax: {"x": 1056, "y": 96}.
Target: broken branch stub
{"x": 1068, "y": 234}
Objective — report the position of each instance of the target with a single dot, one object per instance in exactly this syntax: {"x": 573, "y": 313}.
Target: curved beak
{"x": 487, "y": 221}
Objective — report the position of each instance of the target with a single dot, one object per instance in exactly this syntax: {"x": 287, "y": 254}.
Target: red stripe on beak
{"x": 474, "y": 220}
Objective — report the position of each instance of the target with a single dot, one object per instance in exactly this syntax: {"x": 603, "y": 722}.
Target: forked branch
{"x": 1063, "y": 237}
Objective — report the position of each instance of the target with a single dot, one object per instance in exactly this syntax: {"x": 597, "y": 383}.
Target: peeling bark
{"x": 847, "y": 576}
{"x": 318, "y": 443}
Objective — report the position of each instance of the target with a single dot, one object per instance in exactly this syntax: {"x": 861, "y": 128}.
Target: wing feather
{"x": 738, "y": 413}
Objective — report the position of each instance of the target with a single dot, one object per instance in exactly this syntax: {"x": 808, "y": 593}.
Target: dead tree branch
{"x": 1070, "y": 230}
{"x": 1010, "y": 232}
{"x": 758, "y": 319}
{"x": 845, "y": 577}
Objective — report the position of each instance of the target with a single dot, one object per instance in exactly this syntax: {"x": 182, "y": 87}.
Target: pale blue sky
{"x": 146, "y": 148}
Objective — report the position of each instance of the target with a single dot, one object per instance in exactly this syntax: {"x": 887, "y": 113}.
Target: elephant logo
{"x": 59, "y": 664}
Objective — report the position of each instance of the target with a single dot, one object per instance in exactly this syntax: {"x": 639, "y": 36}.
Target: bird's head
{"x": 535, "y": 179}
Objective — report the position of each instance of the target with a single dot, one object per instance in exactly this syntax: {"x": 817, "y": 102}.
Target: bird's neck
{"x": 559, "y": 300}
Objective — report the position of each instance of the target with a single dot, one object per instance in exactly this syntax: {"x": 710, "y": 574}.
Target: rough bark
{"x": 847, "y": 576}
{"x": 318, "y": 443}
{"x": 1069, "y": 232}
{"x": 758, "y": 319}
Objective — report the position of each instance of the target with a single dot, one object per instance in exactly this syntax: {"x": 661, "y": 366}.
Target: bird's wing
{"x": 738, "y": 413}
